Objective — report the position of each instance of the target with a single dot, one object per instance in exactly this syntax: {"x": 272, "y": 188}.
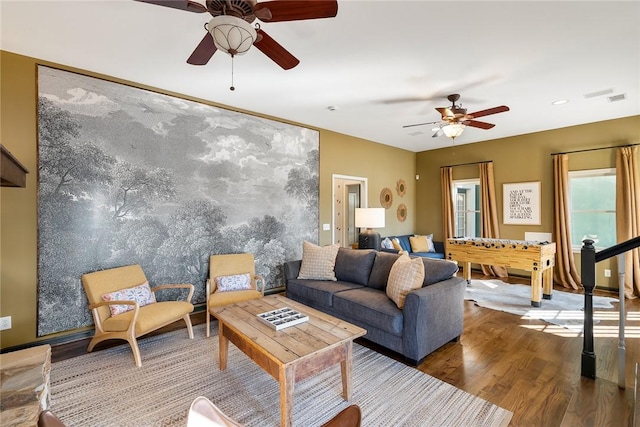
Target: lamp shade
{"x": 369, "y": 217}
{"x": 453, "y": 130}
{"x": 232, "y": 35}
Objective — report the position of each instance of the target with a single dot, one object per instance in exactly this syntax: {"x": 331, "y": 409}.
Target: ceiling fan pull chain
{"x": 232, "y": 87}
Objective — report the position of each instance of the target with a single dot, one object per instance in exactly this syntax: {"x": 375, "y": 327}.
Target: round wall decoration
{"x": 386, "y": 198}
{"x": 402, "y": 212}
{"x": 401, "y": 187}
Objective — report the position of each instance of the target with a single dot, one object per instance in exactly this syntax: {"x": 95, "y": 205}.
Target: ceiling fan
{"x": 455, "y": 118}
{"x": 230, "y": 28}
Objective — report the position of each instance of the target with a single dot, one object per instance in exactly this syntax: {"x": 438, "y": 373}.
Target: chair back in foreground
{"x": 125, "y": 307}
{"x": 232, "y": 278}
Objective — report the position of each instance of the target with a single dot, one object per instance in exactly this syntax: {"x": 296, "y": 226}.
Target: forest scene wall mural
{"x": 131, "y": 176}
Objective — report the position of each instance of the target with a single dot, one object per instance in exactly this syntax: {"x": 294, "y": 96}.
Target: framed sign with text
{"x": 521, "y": 203}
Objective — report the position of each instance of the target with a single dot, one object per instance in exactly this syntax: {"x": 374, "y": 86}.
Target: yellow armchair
{"x": 139, "y": 320}
{"x": 229, "y": 265}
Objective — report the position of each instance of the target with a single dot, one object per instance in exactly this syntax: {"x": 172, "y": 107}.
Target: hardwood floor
{"x": 526, "y": 366}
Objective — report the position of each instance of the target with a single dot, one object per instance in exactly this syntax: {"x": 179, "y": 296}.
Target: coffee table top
{"x": 290, "y": 344}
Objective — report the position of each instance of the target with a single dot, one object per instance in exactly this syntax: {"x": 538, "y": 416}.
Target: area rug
{"x": 104, "y": 388}
{"x": 564, "y": 309}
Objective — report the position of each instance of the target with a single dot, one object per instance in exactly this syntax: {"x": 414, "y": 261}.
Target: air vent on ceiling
{"x": 598, "y": 93}
{"x": 620, "y": 97}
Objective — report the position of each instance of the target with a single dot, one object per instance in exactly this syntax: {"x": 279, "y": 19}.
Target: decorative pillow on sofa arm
{"x": 406, "y": 275}
{"x": 141, "y": 294}
{"x": 318, "y": 262}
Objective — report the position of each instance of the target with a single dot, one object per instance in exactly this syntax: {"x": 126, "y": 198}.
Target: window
{"x": 466, "y": 200}
{"x": 592, "y": 195}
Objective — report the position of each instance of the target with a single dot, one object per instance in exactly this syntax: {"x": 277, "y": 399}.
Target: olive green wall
{"x": 339, "y": 154}
{"x": 521, "y": 159}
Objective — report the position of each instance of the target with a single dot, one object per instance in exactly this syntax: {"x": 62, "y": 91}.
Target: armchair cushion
{"x": 234, "y": 282}
{"x": 150, "y": 317}
{"x": 141, "y": 294}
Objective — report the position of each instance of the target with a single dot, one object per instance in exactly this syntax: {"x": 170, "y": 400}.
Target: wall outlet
{"x": 607, "y": 273}
{"x": 5, "y": 323}
{"x": 326, "y": 227}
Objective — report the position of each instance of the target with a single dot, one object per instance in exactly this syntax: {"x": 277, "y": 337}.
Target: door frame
{"x": 364, "y": 201}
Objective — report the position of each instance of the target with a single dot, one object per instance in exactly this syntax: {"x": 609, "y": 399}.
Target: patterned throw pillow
{"x": 141, "y": 294}
{"x": 235, "y": 282}
{"x": 406, "y": 275}
{"x": 386, "y": 243}
{"x": 318, "y": 262}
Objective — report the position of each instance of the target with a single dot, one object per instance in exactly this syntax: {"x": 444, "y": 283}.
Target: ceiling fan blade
{"x": 203, "y": 52}
{"x": 489, "y": 111}
{"x": 295, "y": 10}
{"x": 436, "y": 133}
{"x": 275, "y": 51}
{"x": 420, "y": 124}
{"x": 477, "y": 124}
{"x": 188, "y": 5}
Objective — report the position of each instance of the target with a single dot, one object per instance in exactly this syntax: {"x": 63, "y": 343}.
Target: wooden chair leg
{"x": 208, "y": 323}
{"x": 133, "y": 342}
{"x": 187, "y": 320}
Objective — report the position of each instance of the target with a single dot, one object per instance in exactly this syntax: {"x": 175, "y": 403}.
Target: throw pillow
{"x": 396, "y": 244}
{"x": 141, "y": 294}
{"x": 318, "y": 262}
{"x": 235, "y": 282}
{"x": 422, "y": 243}
{"x": 386, "y": 243}
{"x": 406, "y": 275}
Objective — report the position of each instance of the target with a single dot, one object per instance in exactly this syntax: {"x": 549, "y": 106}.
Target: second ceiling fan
{"x": 230, "y": 29}
{"x": 455, "y": 118}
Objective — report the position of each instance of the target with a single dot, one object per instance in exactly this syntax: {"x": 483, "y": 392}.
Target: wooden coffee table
{"x": 291, "y": 354}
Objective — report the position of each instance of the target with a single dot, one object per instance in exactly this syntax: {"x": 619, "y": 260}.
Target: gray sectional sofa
{"x": 432, "y": 315}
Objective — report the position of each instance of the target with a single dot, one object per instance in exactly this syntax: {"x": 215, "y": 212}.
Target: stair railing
{"x": 589, "y": 258}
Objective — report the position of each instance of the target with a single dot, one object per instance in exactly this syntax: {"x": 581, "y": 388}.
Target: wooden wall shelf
{"x": 13, "y": 173}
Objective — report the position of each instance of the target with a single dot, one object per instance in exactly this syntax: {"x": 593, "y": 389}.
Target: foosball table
{"x": 536, "y": 257}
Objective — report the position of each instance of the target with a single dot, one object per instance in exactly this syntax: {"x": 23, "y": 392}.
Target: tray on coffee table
{"x": 282, "y": 318}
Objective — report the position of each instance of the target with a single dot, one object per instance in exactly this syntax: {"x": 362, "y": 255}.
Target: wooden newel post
{"x": 588, "y": 276}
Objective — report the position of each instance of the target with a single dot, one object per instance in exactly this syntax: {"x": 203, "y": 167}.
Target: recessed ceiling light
{"x": 560, "y": 102}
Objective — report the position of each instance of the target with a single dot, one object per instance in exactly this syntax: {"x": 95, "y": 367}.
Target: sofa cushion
{"x": 318, "y": 292}
{"x": 372, "y": 307}
{"x": 436, "y": 270}
{"x": 354, "y": 265}
{"x": 406, "y": 275}
{"x": 434, "y": 255}
{"x": 380, "y": 270}
{"x": 318, "y": 262}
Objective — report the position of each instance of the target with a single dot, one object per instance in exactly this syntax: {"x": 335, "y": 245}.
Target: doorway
{"x": 349, "y": 193}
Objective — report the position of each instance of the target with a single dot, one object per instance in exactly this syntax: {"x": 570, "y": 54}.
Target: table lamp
{"x": 366, "y": 219}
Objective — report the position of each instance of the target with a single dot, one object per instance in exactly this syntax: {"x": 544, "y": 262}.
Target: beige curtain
{"x": 446, "y": 183}
{"x": 565, "y": 271}
{"x": 628, "y": 214}
{"x": 489, "y": 214}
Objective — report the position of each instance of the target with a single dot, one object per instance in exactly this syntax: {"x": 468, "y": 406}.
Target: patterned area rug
{"x": 105, "y": 388}
{"x": 565, "y": 309}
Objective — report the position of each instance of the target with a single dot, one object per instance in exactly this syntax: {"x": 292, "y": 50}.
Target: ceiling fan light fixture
{"x": 232, "y": 35}
{"x": 453, "y": 130}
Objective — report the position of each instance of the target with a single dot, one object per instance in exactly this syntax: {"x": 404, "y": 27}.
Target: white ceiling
{"x": 516, "y": 53}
